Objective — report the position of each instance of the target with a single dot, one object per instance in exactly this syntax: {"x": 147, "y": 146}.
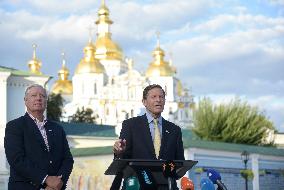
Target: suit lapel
{"x": 166, "y": 131}
{"x": 145, "y": 132}
{"x": 34, "y": 130}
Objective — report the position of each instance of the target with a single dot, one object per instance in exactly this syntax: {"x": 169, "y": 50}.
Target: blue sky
{"x": 221, "y": 49}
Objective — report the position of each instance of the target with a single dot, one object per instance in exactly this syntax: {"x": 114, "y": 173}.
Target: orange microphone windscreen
{"x": 186, "y": 184}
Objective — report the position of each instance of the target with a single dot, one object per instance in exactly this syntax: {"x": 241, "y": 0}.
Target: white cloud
{"x": 270, "y": 101}
{"x": 229, "y": 46}
{"x": 140, "y": 21}
{"x": 74, "y": 27}
{"x": 223, "y": 24}
{"x": 276, "y": 2}
{"x": 54, "y": 7}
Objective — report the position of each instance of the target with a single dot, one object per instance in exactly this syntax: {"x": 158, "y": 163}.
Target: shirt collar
{"x": 150, "y": 118}
{"x": 36, "y": 120}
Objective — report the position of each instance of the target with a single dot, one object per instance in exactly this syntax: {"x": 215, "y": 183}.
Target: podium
{"x": 149, "y": 172}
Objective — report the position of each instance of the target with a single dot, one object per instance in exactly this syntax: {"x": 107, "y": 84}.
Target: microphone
{"x": 206, "y": 184}
{"x": 146, "y": 179}
{"x": 132, "y": 183}
{"x": 215, "y": 177}
{"x": 186, "y": 184}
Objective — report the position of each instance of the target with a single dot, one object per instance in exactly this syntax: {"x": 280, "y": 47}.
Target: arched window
{"x": 95, "y": 88}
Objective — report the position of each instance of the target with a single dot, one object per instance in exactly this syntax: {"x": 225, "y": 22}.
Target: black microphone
{"x": 215, "y": 177}
{"x": 146, "y": 179}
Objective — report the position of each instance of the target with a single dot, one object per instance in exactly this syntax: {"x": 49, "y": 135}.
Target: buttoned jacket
{"x": 28, "y": 156}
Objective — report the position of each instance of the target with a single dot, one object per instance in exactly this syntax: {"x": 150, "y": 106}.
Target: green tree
{"x": 83, "y": 116}
{"x": 235, "y": 122}
{"x": 54, "y": 106}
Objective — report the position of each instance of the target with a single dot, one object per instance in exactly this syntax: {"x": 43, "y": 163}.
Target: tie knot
{"x": 155, "y": 121}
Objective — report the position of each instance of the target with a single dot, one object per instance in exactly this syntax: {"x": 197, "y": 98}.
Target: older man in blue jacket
{"x": 36, "y": 148}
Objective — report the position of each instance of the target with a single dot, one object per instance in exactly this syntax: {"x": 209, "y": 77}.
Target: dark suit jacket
{"x": 28, "y": 156}
{"x": 139, "y": 143}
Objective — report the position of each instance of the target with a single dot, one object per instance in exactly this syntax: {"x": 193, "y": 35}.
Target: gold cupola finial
{"x": 159, "y": 67}
{"x": 158, "y": 38}
{"x": 63, "y": 72}
{"x": 63, "y": 85}
{"x": 89, "y": 63}
{"x": 103, "y": 14}
{"x": 34, "y": 64}
{"x": 34, "y": 51}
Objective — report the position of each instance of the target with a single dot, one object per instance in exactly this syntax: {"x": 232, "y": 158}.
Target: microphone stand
{"x": 170, "y": 183}
{"x": 169, "y": 172}
{"x": 221, "y": 186}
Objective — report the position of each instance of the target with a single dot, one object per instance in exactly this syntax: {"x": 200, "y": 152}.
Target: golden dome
{"x": 107, "y": 49}
{"x": 63, "y": 85}
{"x": 34, "y": 64}
{"x": 159, "y": 67}
{"x": 89, "y": 64}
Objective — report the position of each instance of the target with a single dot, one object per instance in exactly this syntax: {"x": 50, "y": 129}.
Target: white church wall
{"x": 87, "y": 85}
{"x": 112, "y": 67}
{"x": 3, "y": 97}
{"x": 15, "y": 101}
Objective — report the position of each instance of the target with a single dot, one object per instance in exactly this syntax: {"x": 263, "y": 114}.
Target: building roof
{"x": 17, "y": 72}
{"x": 95, "y": 151}
{"x": 87, "y": 129}
{"x": 231, "y": 147}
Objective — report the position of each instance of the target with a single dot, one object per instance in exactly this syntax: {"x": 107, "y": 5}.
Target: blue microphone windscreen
{"x": 213, "y": 175}
{"x": 206, "y": 184}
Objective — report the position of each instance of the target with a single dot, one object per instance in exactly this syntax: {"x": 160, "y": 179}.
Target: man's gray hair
{"x": 32, "y": 86}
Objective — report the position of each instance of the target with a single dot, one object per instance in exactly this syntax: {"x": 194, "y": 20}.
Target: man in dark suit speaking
{"x": 149, "y": 136}
{"x": 36, "y": 148}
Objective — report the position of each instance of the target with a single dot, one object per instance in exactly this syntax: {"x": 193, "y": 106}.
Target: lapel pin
{"x": 167, "y": 131}
{"x": 49, "y": 130}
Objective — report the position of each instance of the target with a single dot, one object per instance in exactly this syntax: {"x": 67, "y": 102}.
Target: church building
{"x": 106, "y": 82}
